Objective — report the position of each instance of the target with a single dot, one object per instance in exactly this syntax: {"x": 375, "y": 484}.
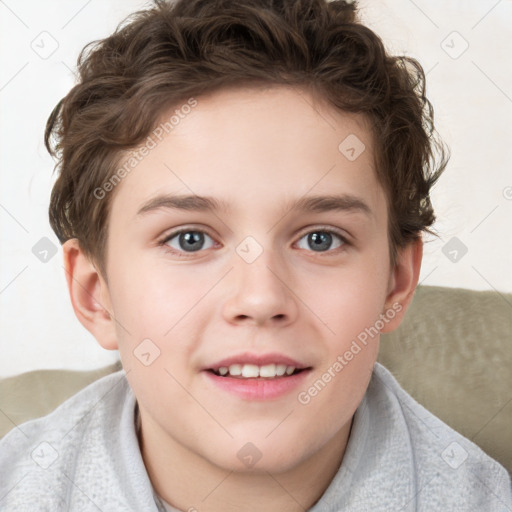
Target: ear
{"x": 402, "y": 283}
{"x": 89, "y": 295}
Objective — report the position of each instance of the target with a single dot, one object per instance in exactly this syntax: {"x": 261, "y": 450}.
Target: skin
{"x": 258, "y": 150}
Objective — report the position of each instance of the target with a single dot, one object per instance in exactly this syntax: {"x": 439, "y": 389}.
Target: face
{"x": 258, "y": 278}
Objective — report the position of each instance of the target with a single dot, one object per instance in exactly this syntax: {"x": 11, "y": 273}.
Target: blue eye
{"x": 187, "y": 240}
{"x": 322, "y": 240}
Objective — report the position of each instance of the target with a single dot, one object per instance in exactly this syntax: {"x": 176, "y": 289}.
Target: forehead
{"x": 253, "y": 149}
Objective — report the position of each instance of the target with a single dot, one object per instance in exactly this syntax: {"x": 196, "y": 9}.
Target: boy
{"x": 243, "y": 187}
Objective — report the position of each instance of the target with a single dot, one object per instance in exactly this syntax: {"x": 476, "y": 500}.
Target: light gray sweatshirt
{"x": 85, "y": 456}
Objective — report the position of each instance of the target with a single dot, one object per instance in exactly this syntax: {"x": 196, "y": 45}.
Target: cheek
{"x": 156, "y": 323}
{"x": 152, "y": 298}
{"x": 351, "y": 310}
{"x": 348, "y": 301}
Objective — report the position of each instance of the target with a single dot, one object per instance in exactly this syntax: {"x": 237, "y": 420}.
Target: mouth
{"x": 258, "y": 377}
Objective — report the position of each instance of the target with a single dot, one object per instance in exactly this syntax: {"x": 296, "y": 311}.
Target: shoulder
{"x": 38, "y": 458}
{"x": 450, "y": 470}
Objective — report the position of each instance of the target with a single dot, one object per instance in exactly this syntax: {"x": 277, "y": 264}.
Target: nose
{"x": 260, "y": 293}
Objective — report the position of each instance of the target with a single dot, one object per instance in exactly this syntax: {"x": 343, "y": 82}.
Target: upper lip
{"x": 256, "y": 359}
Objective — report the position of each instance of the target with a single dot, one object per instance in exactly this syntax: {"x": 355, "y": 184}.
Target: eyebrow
{"x": 313, "y": 204}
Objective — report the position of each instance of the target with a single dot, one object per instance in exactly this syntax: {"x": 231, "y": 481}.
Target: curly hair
{"x": 163, "y": 55}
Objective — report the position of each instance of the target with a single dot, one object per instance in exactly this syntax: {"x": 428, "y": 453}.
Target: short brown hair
{"x": 176, "y": 50}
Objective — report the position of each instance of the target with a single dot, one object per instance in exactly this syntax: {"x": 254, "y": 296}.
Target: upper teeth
{"x": 252, "y": 370}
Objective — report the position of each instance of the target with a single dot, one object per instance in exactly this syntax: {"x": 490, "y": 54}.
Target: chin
{"x": 259, "y": 457}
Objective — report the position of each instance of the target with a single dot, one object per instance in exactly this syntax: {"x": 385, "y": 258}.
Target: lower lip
{"x": 259, "y": 388}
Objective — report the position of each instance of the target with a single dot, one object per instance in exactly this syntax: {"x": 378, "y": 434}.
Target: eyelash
{"x": 184, "y": 254}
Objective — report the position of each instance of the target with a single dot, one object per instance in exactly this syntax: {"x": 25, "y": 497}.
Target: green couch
{"x": 453, "y": 354}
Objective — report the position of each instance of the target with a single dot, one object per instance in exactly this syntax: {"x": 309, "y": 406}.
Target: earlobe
{"x": 402, "y": 284}
{"x": 89, "y": 295}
